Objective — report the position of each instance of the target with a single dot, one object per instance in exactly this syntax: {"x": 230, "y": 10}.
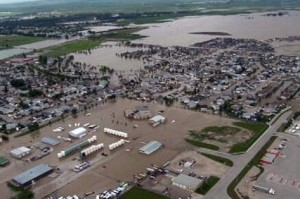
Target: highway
{"x": 219, "y": 191}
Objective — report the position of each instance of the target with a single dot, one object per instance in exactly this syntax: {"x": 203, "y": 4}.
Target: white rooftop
{"x": 157, "y": 118}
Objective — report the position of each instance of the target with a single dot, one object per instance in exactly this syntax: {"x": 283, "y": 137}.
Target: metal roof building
{"x": 50, "y": 140}
{"x": 78, "y": 133}
{"x": 157, "y": 120}
{"x": 187, "y": 182}
{"x": 150, "y": 147}
{"x": 33, "y": 174}
{"x": 20, "y": 152}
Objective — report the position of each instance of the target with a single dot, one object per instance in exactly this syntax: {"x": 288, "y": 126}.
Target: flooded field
{"x": 106, "y": 55}
{"x": 33, "y": 46}
{"x": 12, "y": 52}
{"x": 255, "y": 26}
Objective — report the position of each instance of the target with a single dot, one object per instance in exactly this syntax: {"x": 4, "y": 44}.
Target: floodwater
{"x": 33, "y": 46}
{"x": 105, "y": 55}
{"x": 254, "y": 26}
{"x": 46, "y": 43}
{"x": 103, "y": 28}
{"x": 12, "y": 52}
{"x": 177, "y": 32}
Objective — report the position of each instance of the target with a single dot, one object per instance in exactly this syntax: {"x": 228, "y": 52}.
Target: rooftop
{"x": 20, "y": 150}
{"x": 50, "y": 140}
{"x": 32, "y": 174}
{"x": 188, "y": 181}
{"x": 150, "y": 147}
{"x": 157, "y": 118}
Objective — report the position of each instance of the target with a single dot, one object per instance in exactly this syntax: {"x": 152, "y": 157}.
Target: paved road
{"x": 219, "y": 191}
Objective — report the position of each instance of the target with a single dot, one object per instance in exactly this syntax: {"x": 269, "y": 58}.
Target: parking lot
{"x": 283, "y": 175}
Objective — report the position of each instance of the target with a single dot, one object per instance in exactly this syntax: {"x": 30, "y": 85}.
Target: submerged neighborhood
{"x": 91, "y": 108}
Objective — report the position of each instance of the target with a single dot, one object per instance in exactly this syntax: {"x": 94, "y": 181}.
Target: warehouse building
{"x": 150, "y": 147}
{"x": 157, "y": 120}
{"x": 20, "y": 152}
{"x": 187, "y": 182}
{"x": 78, "y": 133}
{"x": 28, "y": 177}
{"x": 53, "y": 141}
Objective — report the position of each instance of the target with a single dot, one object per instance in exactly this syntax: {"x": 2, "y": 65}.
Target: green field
{"x": 207, "y": 185}
{"x": 126, "y": 34}
{"x": 197, "y": 138}
{"x": 224, "y": 161}
{"x": 257, "y": 129}
{"x": 199, "y": 143}
{"x": 7, "y": 42}
{"x": 71, "y": 47}
{"x": 138, "y": 193}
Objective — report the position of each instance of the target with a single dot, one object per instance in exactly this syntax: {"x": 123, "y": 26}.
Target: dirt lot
{"x": 121, "y": 165}
{"x": 222, "y": 136}
{"x": 204, "y": 166}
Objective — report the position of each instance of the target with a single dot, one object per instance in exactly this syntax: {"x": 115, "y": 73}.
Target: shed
{"x": 157, "y": 120}
{"x": 150, "y": 147}
{"x": 187, "y": 182}
{"x": 78, "y": 133}
{"x": 33, "y": 174}
{"x": 53, "y": 141}
{"x": 20, "y": 152}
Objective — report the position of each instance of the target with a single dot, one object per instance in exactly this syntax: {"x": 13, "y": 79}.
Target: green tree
{"x": 18, "y": 83}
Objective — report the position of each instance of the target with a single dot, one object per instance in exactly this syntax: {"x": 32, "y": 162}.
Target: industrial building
{"x": 157, "y": 120}
{"x": 138, "y": 113}
{"x": 26, "y": 178}
{"x": 20, "y": 152}
{"x": 150, "y": 147}
{"x": 78, "y": 133}
{"x": 53, "y": 141}
{"x": 187, "y": 182}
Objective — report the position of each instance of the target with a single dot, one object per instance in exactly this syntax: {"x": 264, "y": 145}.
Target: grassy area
{"x": 71, "y": 47}
{"x": 20, "y": 192}
{"x": 11, "y": 41}
{"x": 121, "y": 35}
{"x": 254, "y": 162}
{"x": 199, "y": 143}
{"x": 257, "y": 129}
{"x": 197, "y": 137}
{"x": 225, "y": 161}
{"x": 221, "y": 130}
{"x": 207, "y": 185}
{"x": 138, "y": 193}
{"x": 86, "y": 44}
